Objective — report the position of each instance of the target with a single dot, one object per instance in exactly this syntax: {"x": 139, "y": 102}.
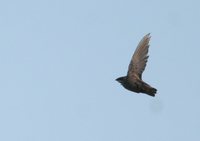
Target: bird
{"x": 133, "y": 80}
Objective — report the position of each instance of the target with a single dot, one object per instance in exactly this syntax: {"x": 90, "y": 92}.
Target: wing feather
{"x": 139, "y": 58}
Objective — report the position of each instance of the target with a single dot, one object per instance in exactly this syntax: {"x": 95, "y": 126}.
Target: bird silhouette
{"x": 133, "y": 80}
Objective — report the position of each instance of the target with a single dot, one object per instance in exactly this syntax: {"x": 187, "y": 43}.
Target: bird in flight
{"x": 133, "y": 80}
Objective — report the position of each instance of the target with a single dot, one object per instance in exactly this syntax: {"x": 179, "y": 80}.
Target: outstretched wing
{"x": 139, "y": 58}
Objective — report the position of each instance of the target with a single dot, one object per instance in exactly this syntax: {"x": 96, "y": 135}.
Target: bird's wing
{"x": 139, "y": 58}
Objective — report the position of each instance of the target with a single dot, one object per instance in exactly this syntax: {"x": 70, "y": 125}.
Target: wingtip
{"x": 148, "y": 35}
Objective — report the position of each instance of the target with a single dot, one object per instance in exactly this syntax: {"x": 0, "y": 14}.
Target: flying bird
{"x": 133, "y": 80}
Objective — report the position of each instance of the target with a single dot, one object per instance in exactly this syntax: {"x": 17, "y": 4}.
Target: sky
{"x": 59, "y": 60}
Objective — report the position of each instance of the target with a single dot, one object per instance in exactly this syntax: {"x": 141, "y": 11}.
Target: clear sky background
{"x": 59, "y": 60}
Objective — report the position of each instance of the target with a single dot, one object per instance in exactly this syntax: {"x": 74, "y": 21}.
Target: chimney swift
{"x": 133, "y": 80}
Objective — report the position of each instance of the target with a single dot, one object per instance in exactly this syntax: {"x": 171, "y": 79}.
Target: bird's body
{"x": 133, "y": 80}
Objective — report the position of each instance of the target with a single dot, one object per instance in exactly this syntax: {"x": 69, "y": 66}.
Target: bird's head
{"x": 121, "y": 79}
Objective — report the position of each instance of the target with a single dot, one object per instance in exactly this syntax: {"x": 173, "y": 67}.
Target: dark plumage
{"x": 133, "y": 80}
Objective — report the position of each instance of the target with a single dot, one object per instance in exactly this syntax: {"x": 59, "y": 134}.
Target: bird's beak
{"x": 118, "y": 80}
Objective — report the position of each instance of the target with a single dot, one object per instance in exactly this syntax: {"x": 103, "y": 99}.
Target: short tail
{"x": 147, "y": 89}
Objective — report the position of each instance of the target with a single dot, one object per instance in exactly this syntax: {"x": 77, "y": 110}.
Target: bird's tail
{"x": 147, "y": 89}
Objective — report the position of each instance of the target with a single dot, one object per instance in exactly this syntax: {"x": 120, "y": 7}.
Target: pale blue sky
{"x": 59, "y": 61}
